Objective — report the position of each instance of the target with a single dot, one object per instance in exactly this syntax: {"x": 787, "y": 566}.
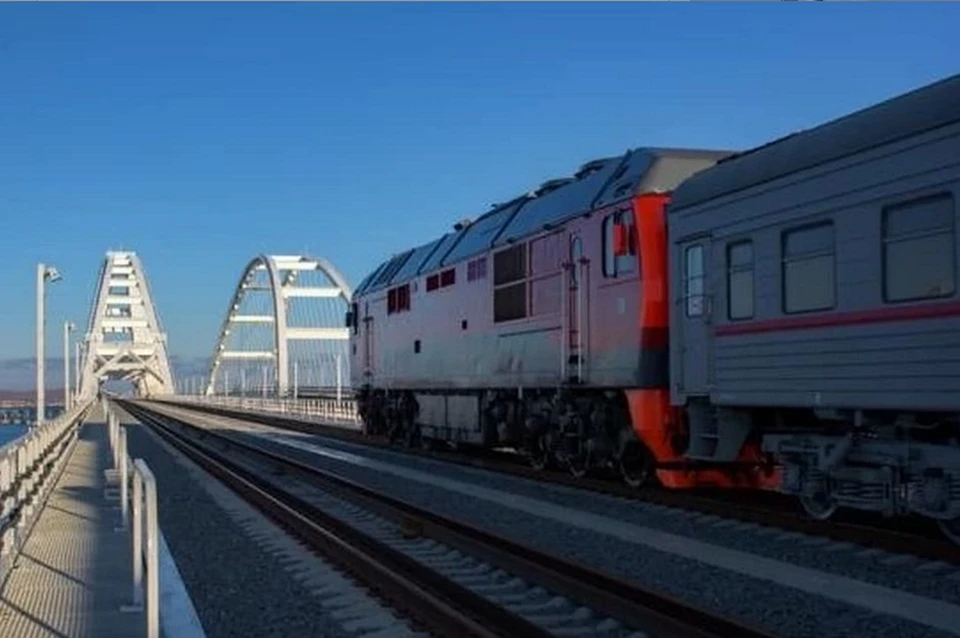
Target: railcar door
{"x": 694, "y": 308}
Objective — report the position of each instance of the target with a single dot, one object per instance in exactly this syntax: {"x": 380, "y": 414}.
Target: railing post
{"x": 137, "y": 538}
{"x": 153, "y": 558}
{"x": 113, "y": 423}
{"x": 113, "y": 456}
{"x": 123, "y": 480}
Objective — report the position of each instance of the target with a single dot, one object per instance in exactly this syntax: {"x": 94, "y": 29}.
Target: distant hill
{"x": 18, "y": 376}
{"x": 54, "y": 395}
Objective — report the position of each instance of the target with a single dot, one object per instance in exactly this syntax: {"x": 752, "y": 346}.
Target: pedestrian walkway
{"x": 75, "y": 571}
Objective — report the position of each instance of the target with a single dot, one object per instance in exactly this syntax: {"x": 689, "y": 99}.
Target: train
{"x": 783, "y": 318}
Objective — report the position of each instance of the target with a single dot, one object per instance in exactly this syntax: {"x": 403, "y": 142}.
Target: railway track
{"x": 904, "y": 536}
{"x": 453, "y": 579}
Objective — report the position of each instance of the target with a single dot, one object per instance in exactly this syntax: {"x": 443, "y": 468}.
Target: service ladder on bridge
{"x": 73, "y": 576}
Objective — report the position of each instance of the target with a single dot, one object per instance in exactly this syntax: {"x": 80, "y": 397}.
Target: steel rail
{"x": 630, "y": 603}
{"x": 762, "y": 508}
{"x": 441, "y": 605}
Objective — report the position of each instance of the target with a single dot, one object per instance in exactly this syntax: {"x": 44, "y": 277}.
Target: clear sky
{"x": 202, "y": 134}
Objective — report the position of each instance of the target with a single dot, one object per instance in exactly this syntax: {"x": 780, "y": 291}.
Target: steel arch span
{"x": 125, "y": 340}
{"x": 280, "y": 279}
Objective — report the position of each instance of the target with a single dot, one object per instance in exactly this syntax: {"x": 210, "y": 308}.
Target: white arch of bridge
{"x": 281, "y": 274}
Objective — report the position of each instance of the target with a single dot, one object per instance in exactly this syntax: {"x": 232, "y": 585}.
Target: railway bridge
{"x": 245, "y": 500}
{"x": 79, "y": 524}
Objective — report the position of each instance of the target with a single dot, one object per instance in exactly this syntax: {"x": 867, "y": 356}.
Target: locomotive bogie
{"x": 863, "y": 470}
{"x": 578, "y": 429}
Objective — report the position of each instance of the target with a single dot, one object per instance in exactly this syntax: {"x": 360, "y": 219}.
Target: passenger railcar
{"x": 780, "y": 318}
{"x": 819, "y": 305}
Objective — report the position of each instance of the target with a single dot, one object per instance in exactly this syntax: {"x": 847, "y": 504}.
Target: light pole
{"x": 76, "y": 370}
{"x": 67, "y": 329}
{"x": 45, "y": 273}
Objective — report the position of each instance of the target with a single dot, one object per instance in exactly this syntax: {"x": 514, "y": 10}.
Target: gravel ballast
{"x": 896, "y": 571}
{"x": 780, "y": 609}
{"x": 243, "y": 574}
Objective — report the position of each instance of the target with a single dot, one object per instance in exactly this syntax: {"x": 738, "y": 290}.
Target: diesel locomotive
{"x": 781, "y": 318}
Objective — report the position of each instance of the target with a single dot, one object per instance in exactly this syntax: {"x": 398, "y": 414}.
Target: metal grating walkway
{"x": 75, "y": 571}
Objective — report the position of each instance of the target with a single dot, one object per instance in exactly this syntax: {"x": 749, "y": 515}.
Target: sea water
{"x": 12, "y": 431}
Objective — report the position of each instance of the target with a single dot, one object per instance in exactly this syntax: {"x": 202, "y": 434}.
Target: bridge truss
{"x": 124, "y": 339}
{"x": 284, "y": 332}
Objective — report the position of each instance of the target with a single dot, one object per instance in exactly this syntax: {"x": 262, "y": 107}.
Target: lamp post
{"x": 67, "y": 398}
{"x": 45, "y": 273}
{"x": 76, "y": 375}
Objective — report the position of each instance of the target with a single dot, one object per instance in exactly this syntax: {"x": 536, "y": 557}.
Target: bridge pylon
{"x": 124, "y": 339}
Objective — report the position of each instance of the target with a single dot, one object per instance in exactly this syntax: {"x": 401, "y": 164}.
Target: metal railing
{"x": 29, "y": 468}
{"x": 344, "y": 411}
{"x": 145, "y": 533}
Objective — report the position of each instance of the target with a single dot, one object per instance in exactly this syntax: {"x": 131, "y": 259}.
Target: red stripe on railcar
{"x": 880, "y": 315}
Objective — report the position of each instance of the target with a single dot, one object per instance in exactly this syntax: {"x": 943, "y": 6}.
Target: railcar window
{"x": 740, "y": 280}
{"x": 477, "y": 269}
{"x": 510, "y": 286}
{"x": 448, "y": 277}
{"x": 624, "y": 263}
{"x": 510, "y": 265}
{"x": 918, "y": 249}
{"x": 808, "y": 269}
{"x": 398, "y": 299}
{"x": 510, "y": 302}
{"x": 694, "y": 278}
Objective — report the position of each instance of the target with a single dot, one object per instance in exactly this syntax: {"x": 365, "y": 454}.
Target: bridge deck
{"x": 75, "y": 572}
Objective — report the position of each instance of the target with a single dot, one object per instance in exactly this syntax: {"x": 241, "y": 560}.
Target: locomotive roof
{"x": 923, "y": 109}
{"x": 595, "y": 185}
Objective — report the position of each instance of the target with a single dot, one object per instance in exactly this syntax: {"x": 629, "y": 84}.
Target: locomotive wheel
{"x": 951, "y": 529}
{"x": 819, "y": 506}
{"x": 636, "y": 465}
{"x": 539, "y": 454}
{"x": 578, "y": 464}
{"x": 411, "y": 436}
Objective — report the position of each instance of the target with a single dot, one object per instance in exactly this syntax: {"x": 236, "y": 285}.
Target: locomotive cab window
{"x": 808, "y": 269}
{"x": 740, "y": 280}
{"x": 693, "y": 280}
{"x": 918, "y": 245}
{"x": 619, "y": 244}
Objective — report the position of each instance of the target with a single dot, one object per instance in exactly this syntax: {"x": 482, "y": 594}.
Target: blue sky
{"x": 202, "y": 134}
